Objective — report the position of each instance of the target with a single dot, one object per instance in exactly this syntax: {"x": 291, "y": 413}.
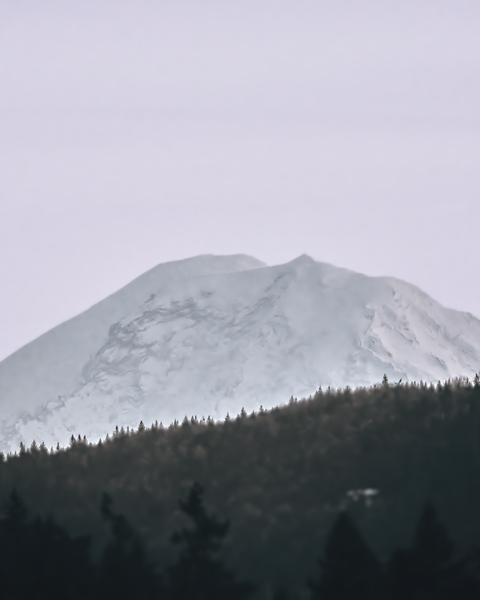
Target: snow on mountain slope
{"x": 213, "y": 340}
{"x": 51, "y": 365}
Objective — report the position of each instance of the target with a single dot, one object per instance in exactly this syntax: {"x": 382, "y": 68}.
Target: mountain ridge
{"x": 207, "y": 343}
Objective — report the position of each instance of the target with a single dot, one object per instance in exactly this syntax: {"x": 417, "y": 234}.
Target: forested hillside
{"x": 281, "y": 478}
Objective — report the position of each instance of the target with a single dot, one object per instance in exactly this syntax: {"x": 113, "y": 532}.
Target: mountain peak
{"x": 220, "y": 333}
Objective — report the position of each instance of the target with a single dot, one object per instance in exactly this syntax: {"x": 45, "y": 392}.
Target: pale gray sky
{"x": 134, "y": 133}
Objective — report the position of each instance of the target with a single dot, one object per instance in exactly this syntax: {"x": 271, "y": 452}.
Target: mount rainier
{"x": 212, "y": 334}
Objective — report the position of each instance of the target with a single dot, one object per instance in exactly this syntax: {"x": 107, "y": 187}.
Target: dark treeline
{"x": 39, "y": 558}
{"x": 294, "y": 482}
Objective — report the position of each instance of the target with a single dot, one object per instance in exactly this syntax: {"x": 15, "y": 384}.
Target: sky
{"x": 136, "y": 133}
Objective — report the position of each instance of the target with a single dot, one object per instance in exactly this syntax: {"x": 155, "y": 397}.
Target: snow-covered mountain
{"x": 212, "y": 334}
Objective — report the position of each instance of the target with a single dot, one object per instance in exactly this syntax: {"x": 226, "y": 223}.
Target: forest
{"x": 371, "y": 493}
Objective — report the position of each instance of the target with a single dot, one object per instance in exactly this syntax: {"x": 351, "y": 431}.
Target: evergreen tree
{"x": 349, "y": 569}
{"x": 38, "y": 558}
{"x": 199, "y": 574}
{"x": 124, "y": 570}
{"x": 426, "y": 570}
{"x": 13, "y": 539}
{"x": 420, "y": 570}
{"x": 15, "y": 511}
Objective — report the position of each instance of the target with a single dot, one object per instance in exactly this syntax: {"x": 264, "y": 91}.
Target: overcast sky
{"x": 139, "y": 132}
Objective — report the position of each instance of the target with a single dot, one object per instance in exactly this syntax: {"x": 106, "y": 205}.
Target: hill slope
{"x": 281, "y": 477}
{"x": 212, "y": 334}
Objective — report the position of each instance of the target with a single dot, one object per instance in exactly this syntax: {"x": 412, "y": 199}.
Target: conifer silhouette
{"x": 199, "y": 574}
{"x": 349, "y": 569}
{"x": 38, "y": 558}
{"x": 124, "y": 569}
{"x": 426, "y": 570}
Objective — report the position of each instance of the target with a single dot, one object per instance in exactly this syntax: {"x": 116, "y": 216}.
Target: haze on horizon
{"x": 133, "y": 134}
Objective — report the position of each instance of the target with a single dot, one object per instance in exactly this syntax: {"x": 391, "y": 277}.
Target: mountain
{"x": 212, "y": 334}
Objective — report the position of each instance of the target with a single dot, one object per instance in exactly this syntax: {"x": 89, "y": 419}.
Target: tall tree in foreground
{"x": 349, "y": 569}
{"x": 125, "y": 572}
{"x": 39, "y": 559}
{"x": 426, "y": 571}
{"x": 199, "y": 574}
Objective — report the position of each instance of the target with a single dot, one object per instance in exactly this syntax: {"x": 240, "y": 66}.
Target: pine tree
{"x": 14, "y": 510}
{"x": 199, "y": 574}
{"x": 426, "y": 570}
{"x": 125, "y": 572}
{"x": 349, "y": 569}
{"x": 385, "y": 380}
{"x": 39, "y": 559}
{"x": 13, "y": 538}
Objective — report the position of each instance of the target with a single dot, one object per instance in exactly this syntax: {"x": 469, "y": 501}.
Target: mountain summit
{"x": 212, "y": 334}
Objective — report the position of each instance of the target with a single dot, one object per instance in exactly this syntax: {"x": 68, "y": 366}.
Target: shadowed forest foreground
{"x": 38, "y": 558}
{"x": 347, "y": 494}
